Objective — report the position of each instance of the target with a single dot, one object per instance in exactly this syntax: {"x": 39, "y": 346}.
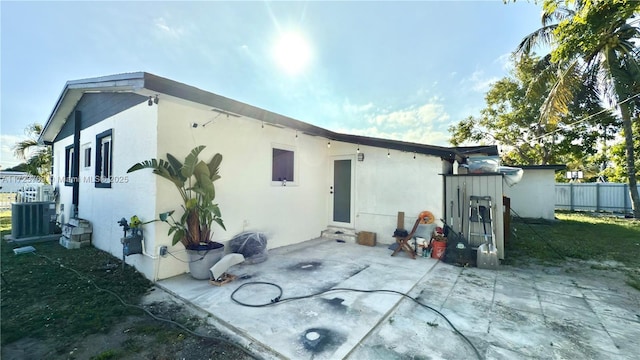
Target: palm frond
{"x": 21, "y": 148}
{"x": 557, "y": 102}
{"x": 558, "y": 14}
{"x": 546, "y": 74}
{"x": 542, "y": 36}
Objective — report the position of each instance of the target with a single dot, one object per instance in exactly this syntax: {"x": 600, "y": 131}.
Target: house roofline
{"x": 490, "y": 150}
{"x": 555, "y": 167}
{"x": 145, "y": 83}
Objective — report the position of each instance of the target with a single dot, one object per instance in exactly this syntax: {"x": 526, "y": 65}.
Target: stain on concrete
{"x": 336, "y": 304}
{"x": 318, "y": 340}
{"x": 358, "y": 271}
{"x": 305, "y": 266}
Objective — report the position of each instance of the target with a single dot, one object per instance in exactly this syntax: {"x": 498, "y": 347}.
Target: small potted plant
{"x": 194, "y": 180}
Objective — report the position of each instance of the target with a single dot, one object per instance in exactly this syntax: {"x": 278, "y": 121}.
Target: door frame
{"x": 351, "y": 224}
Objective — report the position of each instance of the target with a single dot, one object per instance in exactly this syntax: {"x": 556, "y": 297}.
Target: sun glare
{"x": 292, "y": 52}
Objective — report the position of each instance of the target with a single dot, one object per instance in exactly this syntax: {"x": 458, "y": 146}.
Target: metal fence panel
{"x": 609, "y": 197}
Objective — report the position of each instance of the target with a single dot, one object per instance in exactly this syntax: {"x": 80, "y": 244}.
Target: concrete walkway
{"x": 506, "y": 314}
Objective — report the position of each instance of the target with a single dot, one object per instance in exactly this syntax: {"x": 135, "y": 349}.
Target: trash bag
{"x": 252, "y": 245}
{"x": 458, "y": 251}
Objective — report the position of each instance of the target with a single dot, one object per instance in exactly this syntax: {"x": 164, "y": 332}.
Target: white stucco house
{"x": 100, "y": 127}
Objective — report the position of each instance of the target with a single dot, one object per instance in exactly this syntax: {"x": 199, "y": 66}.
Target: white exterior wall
{"x": 248, "y": 200}
{"x": 133, "y": 139}
{"x": 534, "y": 195}
{"x": 386, "y": 185}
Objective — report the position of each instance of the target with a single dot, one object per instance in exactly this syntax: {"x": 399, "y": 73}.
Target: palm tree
{"x": 594, "y": 42}
{"x": 37, "y": 157}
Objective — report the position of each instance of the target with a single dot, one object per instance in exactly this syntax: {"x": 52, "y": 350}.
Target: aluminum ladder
{"x": 480, "y": 217}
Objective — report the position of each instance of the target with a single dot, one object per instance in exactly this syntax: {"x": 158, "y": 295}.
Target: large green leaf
{"x": 204, "y": 183}
{"x": 191, "y": 161}
{"x": 219, "y": 222}
{"x": 176, "y": 166}
{"x": 177, "y": 237}
{"x": 214, "y": 166}
{"x": 159, "y": 167}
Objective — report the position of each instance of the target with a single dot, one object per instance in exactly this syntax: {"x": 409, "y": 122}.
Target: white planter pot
{"x": 200, "y": 261}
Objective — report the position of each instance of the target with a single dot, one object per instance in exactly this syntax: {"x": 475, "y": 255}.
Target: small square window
{"x": 283, "y": 165}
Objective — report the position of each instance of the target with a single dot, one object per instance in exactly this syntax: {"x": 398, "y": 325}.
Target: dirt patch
{"x": 137, "y": 337}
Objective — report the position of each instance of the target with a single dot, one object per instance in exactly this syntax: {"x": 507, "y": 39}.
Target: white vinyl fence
{"x": 610, "y": 197}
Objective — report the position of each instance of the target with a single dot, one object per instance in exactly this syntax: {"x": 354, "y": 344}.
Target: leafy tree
{"x": 618, "y": 159}
{"x": 38, "y": 157}
{"x": 512, "y": 119}
{"x": 594, "y": 40}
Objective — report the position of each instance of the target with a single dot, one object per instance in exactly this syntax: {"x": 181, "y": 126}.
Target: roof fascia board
{"x": 187, "y": 92}
{"x": 73, "y": 90}
{"x": 138, "y": 81}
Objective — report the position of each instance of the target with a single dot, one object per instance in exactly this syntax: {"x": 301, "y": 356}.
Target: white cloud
{"x": 425, "y": 124}
{"x": 172, "y": 31}
{"x": 7, "y": 158}
{"x": 505, "y": 61}
{"x": 350, "y": 108}
{"x": 478, "y": 81}
{"x": 414, "y": 116}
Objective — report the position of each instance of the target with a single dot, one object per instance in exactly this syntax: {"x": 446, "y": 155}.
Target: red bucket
{"x": 438, "y": 248}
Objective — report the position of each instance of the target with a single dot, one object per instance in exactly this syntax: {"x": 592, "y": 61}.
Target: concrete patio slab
{"x": 511, "y": 313}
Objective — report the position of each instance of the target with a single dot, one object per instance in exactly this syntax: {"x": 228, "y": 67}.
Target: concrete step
{"x": 346, "y": 235}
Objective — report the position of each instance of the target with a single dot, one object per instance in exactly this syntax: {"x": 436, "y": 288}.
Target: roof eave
{"x": 73, "y": 91}
{"x": 150, "y": 83}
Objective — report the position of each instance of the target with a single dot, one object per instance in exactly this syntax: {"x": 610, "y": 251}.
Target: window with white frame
{"x": 104, "y": 159}
{"x": 69, "y": 153}
{"x": 86, "y": 156}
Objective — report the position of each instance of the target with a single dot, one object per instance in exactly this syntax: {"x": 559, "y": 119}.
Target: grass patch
{"x": 5, "y": 222}
{"x": 44, "y": 299}
{"x": 581, "y": 236}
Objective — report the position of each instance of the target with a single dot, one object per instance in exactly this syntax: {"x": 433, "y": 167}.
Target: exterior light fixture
{"x": 358, "y": 149}
{"x": 414, "y": 155}
{"x": 153, "y": 100}
{"x": 575, "y": 175}
{"x": 329, "y": 143}
{"x": 388, "y": 154}
{"x": 296, "y": 134}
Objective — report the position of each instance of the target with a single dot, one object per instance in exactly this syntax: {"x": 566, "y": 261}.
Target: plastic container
{"x": 252, "y": 245}
{"x": 200, "y": 261}
{"x": 438, "y": 249}
{"x": 512, "y": 175}
{"x": 483, "y": 164}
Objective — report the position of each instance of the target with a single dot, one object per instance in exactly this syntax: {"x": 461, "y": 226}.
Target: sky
{"x": 399, "y": 70}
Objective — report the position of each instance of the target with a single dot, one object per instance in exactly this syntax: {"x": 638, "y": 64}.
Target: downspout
{"x": 75, "y": 167}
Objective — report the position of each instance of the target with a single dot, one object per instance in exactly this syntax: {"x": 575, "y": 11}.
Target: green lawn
{"x": 581, "y": 236}
{"x": 43, "y": 298}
